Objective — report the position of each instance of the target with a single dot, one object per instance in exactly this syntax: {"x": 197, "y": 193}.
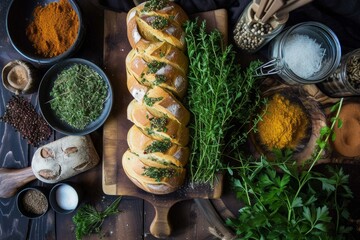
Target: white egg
{"x": 66, "y": 197}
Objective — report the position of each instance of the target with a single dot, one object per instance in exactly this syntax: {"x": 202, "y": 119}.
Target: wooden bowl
{"x": 317, "y": 119}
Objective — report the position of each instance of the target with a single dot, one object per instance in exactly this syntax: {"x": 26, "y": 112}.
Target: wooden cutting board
{"x": 115, "y": 181}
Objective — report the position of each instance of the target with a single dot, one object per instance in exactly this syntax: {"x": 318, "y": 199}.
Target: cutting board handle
{"x": 160, "y": 227}
{"x": 13, "y": 179}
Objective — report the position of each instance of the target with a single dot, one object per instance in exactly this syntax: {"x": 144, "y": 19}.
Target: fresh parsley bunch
{"x": 290, "y": 204}
{"x": 283, "y": 202}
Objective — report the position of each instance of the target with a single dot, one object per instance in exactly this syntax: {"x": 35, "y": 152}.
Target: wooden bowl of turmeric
{"x": 290, "y": 120}
{"x": 45, "y": 31}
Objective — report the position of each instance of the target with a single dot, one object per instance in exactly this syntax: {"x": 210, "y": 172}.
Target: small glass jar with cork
{"x": 251, "y": 32}
{"x": 345, "y": 81}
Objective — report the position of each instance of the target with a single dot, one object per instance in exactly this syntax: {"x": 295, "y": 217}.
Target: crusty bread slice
{"x": 141, "y": 143}
{"x": 159, "y": 126}
{"x": 172, "y": 11}
{"x": 140, "y": 29}
{"x": 158, "y": 101}
{"x": 165, "y": 52}
{"x": 164, "y": 75}
{"x": 167, "y": 180}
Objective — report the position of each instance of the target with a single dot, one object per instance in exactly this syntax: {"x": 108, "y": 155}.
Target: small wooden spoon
{"x": 275, "y": 6}
{"x": 260, "y": 11}
{"x": 13, "y": 179}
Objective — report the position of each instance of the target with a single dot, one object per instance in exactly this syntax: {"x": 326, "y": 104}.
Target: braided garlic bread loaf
{"x": 157, "y": 79}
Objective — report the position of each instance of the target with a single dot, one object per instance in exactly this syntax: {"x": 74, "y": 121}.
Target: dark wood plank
{"x": 16, "y": 153}
{"x": 127, "y": 224}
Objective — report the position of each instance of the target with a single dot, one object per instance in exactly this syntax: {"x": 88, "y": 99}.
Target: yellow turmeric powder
{"x": 284, "y": 124}
{"x": 54, "y": 28}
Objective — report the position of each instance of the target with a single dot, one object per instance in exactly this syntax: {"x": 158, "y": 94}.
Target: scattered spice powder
{"x": 35, "y": 202}
{"x": 284, "y": 125}
{"x": 54, "y": 28}
{"x": 20, "y": 114}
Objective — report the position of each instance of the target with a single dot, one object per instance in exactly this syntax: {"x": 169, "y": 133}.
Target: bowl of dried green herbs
{"x": 75, "y": 97}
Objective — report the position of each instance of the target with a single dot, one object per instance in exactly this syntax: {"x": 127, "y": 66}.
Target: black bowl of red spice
{"x": 45, "y": 31}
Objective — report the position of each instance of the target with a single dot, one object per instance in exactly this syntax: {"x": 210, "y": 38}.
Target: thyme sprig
{"x": 218, "y": 93}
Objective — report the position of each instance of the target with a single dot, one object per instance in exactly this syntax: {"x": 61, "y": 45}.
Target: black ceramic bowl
{"x": 32, "y": 202}
{"x": 64, "y": 198}
{"x": 44, "y": 98}
{"x": 19, "y": 16}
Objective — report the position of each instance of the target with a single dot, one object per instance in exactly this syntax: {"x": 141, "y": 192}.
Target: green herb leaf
{"x": 88, "y": 220}
{"x": 333, "y": 136}
{"x": 297, "y": 202}
{"x": 324, "y": 130}
{"x": 335, "y": 107}
{"x": 230, "y": 171}
{"x": 340, "y": 123}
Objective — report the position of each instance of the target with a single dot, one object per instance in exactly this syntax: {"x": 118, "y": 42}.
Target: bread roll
{"x": 156, "y": 71}
{"x": 140, "y": 143}
{"x": 158, "y": 101}
{"x": 163, "y": 25}
{"x": 157, "y": 126}
{"x": 157, "y": 180}
{"x": 64, "y": 158}
{"x": 152, "y": 72}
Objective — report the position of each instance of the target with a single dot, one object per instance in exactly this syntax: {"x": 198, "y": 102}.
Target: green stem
{"x": 305, "y": 178}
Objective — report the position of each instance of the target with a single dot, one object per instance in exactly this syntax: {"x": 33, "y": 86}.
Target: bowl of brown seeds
{"x": 32, "y": 202}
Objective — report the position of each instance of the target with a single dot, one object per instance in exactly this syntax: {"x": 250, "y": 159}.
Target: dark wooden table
{"x": 187, "y": 217}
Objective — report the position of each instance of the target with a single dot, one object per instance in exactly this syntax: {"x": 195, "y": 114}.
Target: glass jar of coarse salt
{"x": 345, "y": 81}
{"x": 305, "y": 53}
{"x": 250, "y": 34}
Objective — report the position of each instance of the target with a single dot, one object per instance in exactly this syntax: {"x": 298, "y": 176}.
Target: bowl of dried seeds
{"x": 75, "y": 97}
{"x": 32, "y": 202}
